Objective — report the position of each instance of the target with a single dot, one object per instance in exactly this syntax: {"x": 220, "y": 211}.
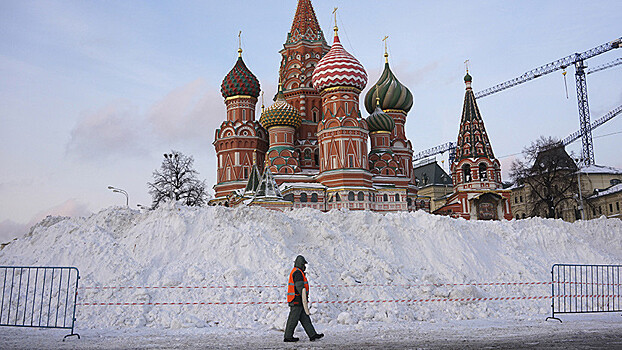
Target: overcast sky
{"x": 92, "y": 93}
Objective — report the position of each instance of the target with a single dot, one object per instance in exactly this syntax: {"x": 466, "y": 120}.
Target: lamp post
{"x": 118, "y": 190}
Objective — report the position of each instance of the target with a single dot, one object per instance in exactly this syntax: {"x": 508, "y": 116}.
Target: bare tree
{"x": 177, "y": 180}
{"x": 547, "y": 172}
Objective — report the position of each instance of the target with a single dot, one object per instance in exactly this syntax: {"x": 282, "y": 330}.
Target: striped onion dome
{"x": 380, "y": 121}
{"x": 392, "y": 94}
{"x": 240, "y": 81}
{"x": 280, "y": 113}
{"x": 338, "y": 68}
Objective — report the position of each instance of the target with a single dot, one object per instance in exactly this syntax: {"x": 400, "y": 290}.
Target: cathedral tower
{"x": 342, "y": 134}
{"x": 240, "y": 137}
{"x": 281, "y": 120}
{"x": 478, "y": 191}
{"x": 303, "y": 49}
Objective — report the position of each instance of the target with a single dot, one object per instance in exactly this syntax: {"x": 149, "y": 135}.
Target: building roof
{"x": 339, "y": 68}
{"x": 392, "y": 93}
{"x": 267, "y": 190}
{"x": 599, "y": 169}
{"x": 305, "y": 25}
{"x": 553, "y": 158}
{"x": 431, "y": 174}
{"x": 253, "y": 181}
{"x": 612, "y": 189}
{"x": 280, "y": 113}
{"x": 380, "y": 121}
{"x": 473, "y": 140}
{"x": 240, "y": 81}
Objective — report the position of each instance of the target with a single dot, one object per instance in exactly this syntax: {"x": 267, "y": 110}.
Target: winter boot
{"x": 316, "y": 336}
{"x": 291, "y": 340}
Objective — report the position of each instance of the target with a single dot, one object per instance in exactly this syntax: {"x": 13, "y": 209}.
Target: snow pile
{"x": 215, "y": 246}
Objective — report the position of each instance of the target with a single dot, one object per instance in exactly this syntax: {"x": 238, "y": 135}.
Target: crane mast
{"x": 576, "y": 59}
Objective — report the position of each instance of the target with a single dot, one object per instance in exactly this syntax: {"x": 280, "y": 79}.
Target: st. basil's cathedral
{"x": 309, "y": 149}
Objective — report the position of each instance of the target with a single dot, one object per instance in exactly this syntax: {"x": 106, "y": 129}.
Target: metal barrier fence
{"x": 42, "y": 297}
{"x": 585, "y": 289}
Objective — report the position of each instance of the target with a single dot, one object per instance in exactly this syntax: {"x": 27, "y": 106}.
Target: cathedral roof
{"x": 392, "y": 94}
{"x": 240, "y": 81}
{"x": 305, "y": 25}
{"x": 380, "y": 121}
{"x": 339, "y": 68}
{"x": 267, "y": 189}
{"x": 280, "y": 113}
{"x": 473, "y": 140}
{"x": 253, "y": 181}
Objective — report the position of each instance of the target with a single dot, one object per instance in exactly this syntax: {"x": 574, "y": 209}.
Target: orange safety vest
{"x": 291, "y": 288}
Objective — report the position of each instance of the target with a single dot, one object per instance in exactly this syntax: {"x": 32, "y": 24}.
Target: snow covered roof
{"x": 599, "y": 169}
{"x": 610, "y": 190}
{"x": 288, "y": 185}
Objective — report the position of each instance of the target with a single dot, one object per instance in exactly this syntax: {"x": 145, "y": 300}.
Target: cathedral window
{"x": 245, "y": 172}
{"x": 397, "y": 197}
{"x": 243, "y": 115}
{"x": 466, "y": 171}
{"x": 314, "y": 113}
{"x": 385, "y": 197}
{"x": 314, "y": 198}
{"x": 307, "y": 154}
{"x": 351, "y": 160}
{"x": 361, "y": 196}
{"x": 303, "y": 197}
{"x": 351, "y": 196}
{"x": 483, "y": 173}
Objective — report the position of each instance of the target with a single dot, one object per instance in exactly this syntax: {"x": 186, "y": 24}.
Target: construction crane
{"x": 451, "y": 146}
{"x": 584, "y": 117}
{"x": 598, "y": 122}
{"x": 587, "y": 151}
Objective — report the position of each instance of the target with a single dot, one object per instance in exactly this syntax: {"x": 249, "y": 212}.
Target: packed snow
{"x": 353, "y": 255}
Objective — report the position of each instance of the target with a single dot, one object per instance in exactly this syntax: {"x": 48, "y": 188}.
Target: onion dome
{"x": 338, "y": 68}
{"x": 240, "y": 81}
{"x": 468, "y": 78}
{"x": 380, "y": 121}
{"x": 280, "y": 113}
{"x": 392, "y": 94}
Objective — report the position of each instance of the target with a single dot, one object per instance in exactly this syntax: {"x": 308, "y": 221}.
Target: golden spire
{"x": 386, "y": 54}
{"x": 335, "y": 13}
{"x": 240, "y": 44}
{"x": 262, "y": 106}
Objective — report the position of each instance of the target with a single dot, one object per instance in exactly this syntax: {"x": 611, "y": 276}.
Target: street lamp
{"x": 118, "y": 190}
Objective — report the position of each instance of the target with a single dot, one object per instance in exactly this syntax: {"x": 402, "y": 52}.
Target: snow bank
{"x": 215, "y": 246}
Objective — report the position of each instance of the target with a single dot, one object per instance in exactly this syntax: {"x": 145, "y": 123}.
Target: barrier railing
{"x": 41, "y": 297}
{"x": 585, "y": 289}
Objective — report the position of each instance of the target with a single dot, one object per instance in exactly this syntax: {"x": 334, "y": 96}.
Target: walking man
{"x": 298, "y": 299}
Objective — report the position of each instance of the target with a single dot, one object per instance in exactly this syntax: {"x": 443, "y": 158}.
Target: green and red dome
{"x": 240, "y": 81}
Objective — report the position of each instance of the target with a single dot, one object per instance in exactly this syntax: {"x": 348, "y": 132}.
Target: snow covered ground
{"x": 352, "y": 255}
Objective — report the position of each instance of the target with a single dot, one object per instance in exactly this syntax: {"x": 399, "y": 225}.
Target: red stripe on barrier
{"x": 353, "y": 301}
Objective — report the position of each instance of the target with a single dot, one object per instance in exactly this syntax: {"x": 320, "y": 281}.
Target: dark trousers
{"x": 296, "y": 313}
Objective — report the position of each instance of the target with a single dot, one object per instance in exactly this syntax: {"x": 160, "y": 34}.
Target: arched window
{"x": 397, "y": 197}
{"x": 466, "y": 172}
{"x": 314, "y": 197}
{"x": 483, "y": 173}
{"x": 361, "y": 196}
{"x": 303, "y": 197}
{"x": 385, "y": 197}
{"x": 314, "y": 114}
{"x": 351, "y": 196}
{"x": 307, "y": 154}
{"x": 317, "y": 157}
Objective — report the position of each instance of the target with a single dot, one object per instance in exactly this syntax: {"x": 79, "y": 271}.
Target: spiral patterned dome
{"x": 240, "y": 81}
{"x": 392, "y": 94}
{"x": 280, "y": 113}
{"x": 380, "y": 121}
{"x": 338, "y": 68}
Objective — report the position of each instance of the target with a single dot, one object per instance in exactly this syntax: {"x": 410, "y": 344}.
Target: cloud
{"x": 72, "y": 207}
{"x": 111, "y": 131}
{"x": 191, "y": 112}
{"x": 10, "y": 229}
